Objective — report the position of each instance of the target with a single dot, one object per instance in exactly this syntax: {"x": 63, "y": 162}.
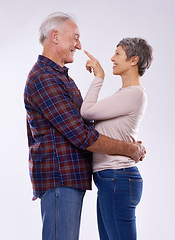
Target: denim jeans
{"x": 61, "y": 213}
{"x": 119, "y": 192}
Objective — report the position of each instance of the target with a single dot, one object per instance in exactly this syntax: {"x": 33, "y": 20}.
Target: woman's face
{"x": 120, "y": 63}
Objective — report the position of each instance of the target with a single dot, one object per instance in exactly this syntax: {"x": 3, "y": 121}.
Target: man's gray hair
{"x": 53, "y": 22}
{"x": 138, "y": 47}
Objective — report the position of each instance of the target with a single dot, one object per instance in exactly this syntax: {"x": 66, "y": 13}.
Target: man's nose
{"x": 78, "y": 45}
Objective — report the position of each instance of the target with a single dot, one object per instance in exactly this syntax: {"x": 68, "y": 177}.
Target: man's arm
{"x": 106, "y": 145}
{"x": 57, "y": 105}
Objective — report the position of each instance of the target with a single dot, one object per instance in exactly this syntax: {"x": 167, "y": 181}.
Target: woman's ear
{"x": 134, "y": 60}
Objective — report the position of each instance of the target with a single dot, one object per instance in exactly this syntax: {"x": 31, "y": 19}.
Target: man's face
{"x": 68, "y": 42}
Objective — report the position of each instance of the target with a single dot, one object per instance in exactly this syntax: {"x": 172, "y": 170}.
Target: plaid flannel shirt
{"x": 57, "y": 135}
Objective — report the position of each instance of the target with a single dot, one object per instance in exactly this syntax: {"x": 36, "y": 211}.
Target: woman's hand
{"x": 94, "y": 64}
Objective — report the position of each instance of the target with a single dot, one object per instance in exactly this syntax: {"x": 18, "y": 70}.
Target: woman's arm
{"x": 121, "y": 103}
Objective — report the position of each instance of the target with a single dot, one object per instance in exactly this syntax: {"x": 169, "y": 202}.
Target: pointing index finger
{"x": 89, "y": 55}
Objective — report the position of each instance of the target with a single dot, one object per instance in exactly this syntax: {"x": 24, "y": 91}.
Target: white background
{"x": 102, "y": 25}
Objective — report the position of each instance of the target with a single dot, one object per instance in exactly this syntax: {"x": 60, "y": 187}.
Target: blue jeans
{"x": 119, "y": 192}
{"x": 61, "y": 213}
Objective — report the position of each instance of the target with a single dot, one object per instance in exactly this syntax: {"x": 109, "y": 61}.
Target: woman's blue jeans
{"x": 119, "y": 192}
{"x": 61, "y": 213}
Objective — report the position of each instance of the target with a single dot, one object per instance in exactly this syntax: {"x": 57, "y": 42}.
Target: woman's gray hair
{"x": 53, "y": 22}
{"x": 138, "y": 47}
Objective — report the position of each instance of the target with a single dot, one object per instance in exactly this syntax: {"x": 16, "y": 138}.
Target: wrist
{"x": 100, "y": 75}
{"x": 128, "y": 149}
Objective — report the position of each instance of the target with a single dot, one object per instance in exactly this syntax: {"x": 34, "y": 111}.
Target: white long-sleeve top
{"x": 117, "y": 116}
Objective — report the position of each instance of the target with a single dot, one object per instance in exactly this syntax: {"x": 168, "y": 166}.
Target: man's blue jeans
{"x": 61, "y": 213}
{"x": 119, "y": 192}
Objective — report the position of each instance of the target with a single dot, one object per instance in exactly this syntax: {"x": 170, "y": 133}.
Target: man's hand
{"x": 106, "y": 145}
{"x": 139, "y": 153}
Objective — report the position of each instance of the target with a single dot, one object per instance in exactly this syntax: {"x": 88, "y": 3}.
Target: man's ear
{"x": 54, "y": 36}
{"x": 134, "y": 60}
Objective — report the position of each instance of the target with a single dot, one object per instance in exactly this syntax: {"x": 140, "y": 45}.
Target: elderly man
{"x": 60, "y": 141}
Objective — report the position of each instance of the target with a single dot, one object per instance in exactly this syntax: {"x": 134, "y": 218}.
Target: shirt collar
{"x": 49, "y": 62}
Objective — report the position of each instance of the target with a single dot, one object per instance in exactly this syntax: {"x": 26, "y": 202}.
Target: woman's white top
{"x": 117, "y": 116}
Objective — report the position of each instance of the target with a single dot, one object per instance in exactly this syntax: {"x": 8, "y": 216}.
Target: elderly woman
{"x": 117, "y": 178}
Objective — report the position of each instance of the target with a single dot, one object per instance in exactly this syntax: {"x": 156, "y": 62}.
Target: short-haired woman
{"x": 117, "y": 178}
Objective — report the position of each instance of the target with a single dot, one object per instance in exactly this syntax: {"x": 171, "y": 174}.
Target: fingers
{"x": 141, "y": 159}
{"x": 93, "y": 65}
{"x": 140, "y": 152}
{"x": 89, "y": 66}
{"x": 89, "y": 69}
{"x": 89, "y": 55}
{"x": 142, "y": 147}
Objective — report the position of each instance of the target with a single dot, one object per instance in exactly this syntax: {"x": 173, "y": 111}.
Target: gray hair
{"x": 53, "y": 22}
{"x": 138, "y": 47}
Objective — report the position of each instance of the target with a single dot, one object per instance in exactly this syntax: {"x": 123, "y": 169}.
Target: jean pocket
{"x": 135, "y": 186}
{"x": 107, "y": 175}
